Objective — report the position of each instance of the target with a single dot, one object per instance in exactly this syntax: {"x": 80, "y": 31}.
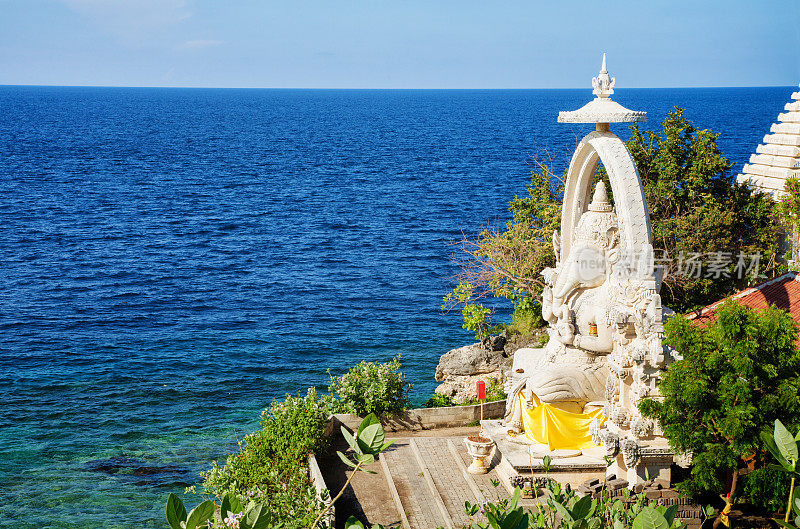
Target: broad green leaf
{"x": 230, "y": 505}
{"x": 176, "y": 512}
{"x": 582, "y": 508}
{"x": 581, "y": 524}
{"x": 346, "y": 460}
{"x": 236, "y": 505}
{"x": 594, "y": 523}
{"x": 650, "y": 518}
{"x": 351, "y": 441}
{"x": 353, "y": 523}
{"x": 787, "y": 468}
{"x": 513, "y": 519}
{"x": 225, "y": 507}
{"x": 669, "y": 514}
{"x": 369, "y": 420}
{"x": 563, "y": 512}
{"x": 515, "y": 498}
{"x": 371, "y": 438}
{"x": 200, "y": 514}
{"x": 619, "y": 525}
{"x": 785, "y": 441}
{"x": 769, "y": 443}
{"x": 366, "y": 459}
{"x": 256, "y": 517}
{"x": 387, "y": 444}
{"x": 783, "y": 524}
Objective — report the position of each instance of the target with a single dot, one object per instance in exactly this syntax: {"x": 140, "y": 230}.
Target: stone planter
{"x": 479, "y": 448}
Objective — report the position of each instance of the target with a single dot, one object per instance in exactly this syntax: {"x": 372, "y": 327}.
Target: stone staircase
{"x": 429, "y": 482}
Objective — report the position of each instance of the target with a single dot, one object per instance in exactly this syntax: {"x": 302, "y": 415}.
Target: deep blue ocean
{"x": 174, "y": 259}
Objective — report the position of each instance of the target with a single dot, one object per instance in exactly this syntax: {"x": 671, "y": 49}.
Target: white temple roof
{"x": 602, "y": 109}
{"x": 777, "y": 158}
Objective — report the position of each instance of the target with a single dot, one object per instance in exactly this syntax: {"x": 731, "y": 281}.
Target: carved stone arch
{"x": 629, "y": 200}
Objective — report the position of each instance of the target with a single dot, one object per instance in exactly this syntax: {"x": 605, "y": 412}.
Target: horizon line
{"x": 375, "y": 88}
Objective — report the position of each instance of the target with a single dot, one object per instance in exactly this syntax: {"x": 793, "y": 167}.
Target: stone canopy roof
{"x": 778, "y": 157}
{"x": 602, "y": 109}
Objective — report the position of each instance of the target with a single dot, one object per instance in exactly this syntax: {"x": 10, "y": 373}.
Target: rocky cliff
{"x": 460, "y": 369}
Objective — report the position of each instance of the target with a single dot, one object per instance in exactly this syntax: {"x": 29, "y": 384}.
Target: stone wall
{"x": 319, "y": 484}
{"x": 425, "y": 418}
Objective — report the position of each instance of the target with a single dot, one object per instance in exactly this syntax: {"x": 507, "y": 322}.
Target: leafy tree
{"x": 737, "y": 376}
{"x": 696, "y": 209}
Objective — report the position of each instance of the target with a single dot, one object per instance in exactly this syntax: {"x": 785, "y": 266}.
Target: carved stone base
{"x": 654, "y": 463}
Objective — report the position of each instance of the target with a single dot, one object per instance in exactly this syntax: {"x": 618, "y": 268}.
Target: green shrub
{"x": 438, "y": 400}
{"x": 270, "y": 465}
{"x": 561, "y": 508}
{"x": 526, "y": 320}
{"x": 736, "y": 377}
{"x": 271, "y": 468}
{"x": 372, "y": 387}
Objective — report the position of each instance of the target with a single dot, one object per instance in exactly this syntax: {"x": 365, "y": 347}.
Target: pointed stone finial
{"x": 602, "y": 110}
{"x": 603, "y": 84}
{"x": 600, "y": 199}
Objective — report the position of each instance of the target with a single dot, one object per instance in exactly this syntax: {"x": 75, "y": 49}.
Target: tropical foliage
{"x": 737, "y": 376}
{"x": 366, "y": 444}
{"x": 372, "y": 387}
{"x": 270, "y": 466}
{"x": 697, "y": 209}
{"x": 561, "y": 508}
{"x": 785, "y": 449}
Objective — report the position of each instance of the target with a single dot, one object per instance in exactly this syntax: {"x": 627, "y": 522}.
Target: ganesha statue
{"x": 603, "y": 310}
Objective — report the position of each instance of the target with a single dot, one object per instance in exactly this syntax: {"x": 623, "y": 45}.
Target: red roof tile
{"x": 782, "y": 292}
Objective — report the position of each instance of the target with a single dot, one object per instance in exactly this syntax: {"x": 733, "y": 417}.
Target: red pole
{"x": 481, "y": 394}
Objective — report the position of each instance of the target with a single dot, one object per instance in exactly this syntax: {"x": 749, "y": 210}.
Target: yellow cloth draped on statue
{"x": 557, "y": 428}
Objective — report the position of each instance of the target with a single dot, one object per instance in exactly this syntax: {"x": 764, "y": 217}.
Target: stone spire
{"x": 603, "y": 84}
{"x": 600, "y": 198}
{"x": 778, "y": 157}
{"x": 602, "y": 110}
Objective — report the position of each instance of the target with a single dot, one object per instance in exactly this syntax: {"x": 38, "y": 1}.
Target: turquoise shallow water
{"x": 174, "y": 259}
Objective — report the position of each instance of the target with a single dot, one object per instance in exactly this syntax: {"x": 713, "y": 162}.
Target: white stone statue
{"x": 601, "y": 301}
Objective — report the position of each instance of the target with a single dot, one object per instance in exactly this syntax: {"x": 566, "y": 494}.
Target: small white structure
{"x": 778, "y": 157}
{"x": 603, "y": 309}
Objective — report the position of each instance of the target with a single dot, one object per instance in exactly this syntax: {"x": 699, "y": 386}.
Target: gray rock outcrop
{"x": 460, "y": 369}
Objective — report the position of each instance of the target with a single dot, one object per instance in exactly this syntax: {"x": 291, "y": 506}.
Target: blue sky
{"x": 399, "y": 44}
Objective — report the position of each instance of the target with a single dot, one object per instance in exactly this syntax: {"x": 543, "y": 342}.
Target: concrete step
{"x": 421, "y": 506}
{"x": 449, "y": 482}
